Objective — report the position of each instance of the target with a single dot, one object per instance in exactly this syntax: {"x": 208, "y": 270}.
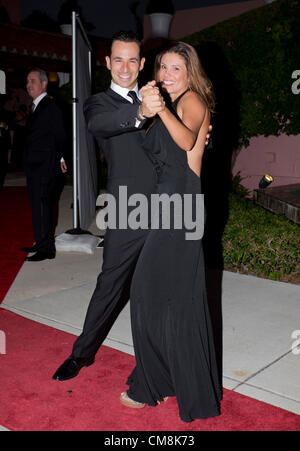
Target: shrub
{"x": 256, "y": 241}
{"x": 262, "y": 50}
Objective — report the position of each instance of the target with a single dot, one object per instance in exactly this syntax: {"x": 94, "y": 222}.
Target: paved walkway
{"x": 259, "y": 317}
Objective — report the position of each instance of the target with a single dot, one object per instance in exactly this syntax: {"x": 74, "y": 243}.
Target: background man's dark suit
{"x": 111, "y": 119}
{"x": 45, "y": 138}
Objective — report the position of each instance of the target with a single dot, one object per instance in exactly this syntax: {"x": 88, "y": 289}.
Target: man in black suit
{"x": 43, "y": 150}
{"x": 116, "y": 118}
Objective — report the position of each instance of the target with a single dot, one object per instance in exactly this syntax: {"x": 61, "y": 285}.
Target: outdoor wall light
{"x": 265, "y": 181}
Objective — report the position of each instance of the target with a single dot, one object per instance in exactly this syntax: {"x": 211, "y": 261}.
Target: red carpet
{"x": 16, "y": 232}
{"x": 31, "y": 401}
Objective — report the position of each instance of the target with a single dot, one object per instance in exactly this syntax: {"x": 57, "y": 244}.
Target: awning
{"x": 29, "y": 47}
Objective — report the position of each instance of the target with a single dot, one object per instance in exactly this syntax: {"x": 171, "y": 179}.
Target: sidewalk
{"x": 259, "y": 317}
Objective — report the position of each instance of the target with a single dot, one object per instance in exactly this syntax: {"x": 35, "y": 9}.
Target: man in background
{"x": 44, "y": 144}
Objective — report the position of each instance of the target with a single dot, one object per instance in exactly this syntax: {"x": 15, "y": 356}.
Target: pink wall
{"x": 189, "y": 21}
{"x": 278, "y": 156}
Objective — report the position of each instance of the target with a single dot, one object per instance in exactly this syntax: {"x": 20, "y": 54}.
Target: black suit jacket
{"x": 111, "y": 119}
{"x": 45, "y": 140}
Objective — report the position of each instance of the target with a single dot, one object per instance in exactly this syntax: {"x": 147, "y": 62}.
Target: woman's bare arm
{"x": 191, "y": 112}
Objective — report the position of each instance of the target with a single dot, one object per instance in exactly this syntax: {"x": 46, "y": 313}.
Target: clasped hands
{"x": 152, "y": 101}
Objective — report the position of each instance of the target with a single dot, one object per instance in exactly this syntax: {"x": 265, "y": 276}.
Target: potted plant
{"x": 161, "y": 14}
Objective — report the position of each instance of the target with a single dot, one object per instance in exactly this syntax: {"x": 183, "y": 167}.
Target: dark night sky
{"x": 109, "y": 16}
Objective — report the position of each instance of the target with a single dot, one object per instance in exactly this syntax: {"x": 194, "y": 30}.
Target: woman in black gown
{"x": 171, "y": 326}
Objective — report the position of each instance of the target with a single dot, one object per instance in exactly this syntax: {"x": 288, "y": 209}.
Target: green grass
{"x": 259, "y": 242}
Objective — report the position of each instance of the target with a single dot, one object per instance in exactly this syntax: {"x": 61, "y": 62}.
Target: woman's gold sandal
{"x": 128, "y": 402}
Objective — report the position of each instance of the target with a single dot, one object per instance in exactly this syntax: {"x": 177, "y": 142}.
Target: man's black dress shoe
{"x": 28, "y": 250}
{"x": 40, "y": 256}
{"x": 71, "y": 368}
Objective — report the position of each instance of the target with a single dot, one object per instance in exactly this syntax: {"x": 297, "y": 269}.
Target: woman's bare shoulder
{"x": 192, "y": 98}
{"x": 192, "y": 104}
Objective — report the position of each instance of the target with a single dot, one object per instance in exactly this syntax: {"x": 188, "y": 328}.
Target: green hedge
{"x": 256, "y": 241}
{"x": 262, "y": 49}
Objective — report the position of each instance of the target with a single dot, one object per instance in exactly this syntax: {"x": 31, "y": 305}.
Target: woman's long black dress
{"x": 171, "y": 326}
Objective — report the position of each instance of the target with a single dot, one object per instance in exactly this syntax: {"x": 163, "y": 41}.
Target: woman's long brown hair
{"x": 198, "y": 80}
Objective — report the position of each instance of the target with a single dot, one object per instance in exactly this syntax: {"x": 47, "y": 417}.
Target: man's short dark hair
{"x": 127, "y": 36}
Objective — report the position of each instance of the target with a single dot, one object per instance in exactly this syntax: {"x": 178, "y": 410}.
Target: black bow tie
{"x": 134, "y": 97}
